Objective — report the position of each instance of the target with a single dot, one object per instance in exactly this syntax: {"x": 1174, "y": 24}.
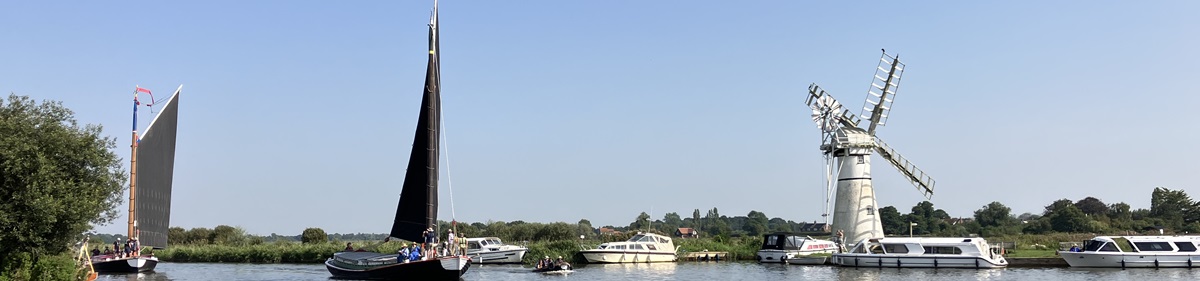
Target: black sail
{"x": 156, "y": 166}
{"x": 417, "y": 209}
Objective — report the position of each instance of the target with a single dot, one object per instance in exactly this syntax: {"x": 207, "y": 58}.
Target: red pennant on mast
{"x": 147, "y": 91}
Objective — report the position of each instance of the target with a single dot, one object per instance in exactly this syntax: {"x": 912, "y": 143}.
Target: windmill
{"x": 847, "y": 149}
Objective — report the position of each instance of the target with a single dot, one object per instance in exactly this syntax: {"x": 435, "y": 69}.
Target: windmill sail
{"x": 918, "y": 178}
{"x": 156, "y": 166}
{"x": 418, "y": 205}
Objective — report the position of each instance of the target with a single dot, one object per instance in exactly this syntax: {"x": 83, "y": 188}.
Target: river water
{"x": 690, "y": 271}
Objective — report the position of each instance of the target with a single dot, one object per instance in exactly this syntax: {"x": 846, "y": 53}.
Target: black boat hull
{"x": 447, "y": 268}
{"x": 126, "y": 265}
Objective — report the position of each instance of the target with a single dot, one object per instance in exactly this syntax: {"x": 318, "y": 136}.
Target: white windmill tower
{"x": 854, "y": 210}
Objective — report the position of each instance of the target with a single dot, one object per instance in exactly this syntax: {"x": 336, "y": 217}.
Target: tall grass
{"x": 277, "y": 252}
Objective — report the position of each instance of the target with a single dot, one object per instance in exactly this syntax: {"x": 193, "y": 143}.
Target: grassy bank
{"x": 739, "y": 248}
{"x": 278, "y": 252}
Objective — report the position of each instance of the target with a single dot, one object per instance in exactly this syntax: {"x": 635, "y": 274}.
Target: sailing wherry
{"x": 152, "y": 167}
{"x": 417, "y": 210}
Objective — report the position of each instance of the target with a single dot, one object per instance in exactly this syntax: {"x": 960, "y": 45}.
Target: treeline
{"x": 1172, "y": 211}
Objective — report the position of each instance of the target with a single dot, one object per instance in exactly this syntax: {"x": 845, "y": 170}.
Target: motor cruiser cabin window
{"x": 1092, "y": 245}
{"x": 473, "y": 245}
{"x": 636, "y": 238}
{"x": 1154, "y": 246}
{"x": 1109, "y": 247}
{"x": 635, "y": 247}
{"x": 930, "y": 250}
{"x": 895, "y": 248}
{"x": 772, "y": 240}
{"x": 603, "y": 246}
{"x": 662, "y": 240}
{"x": 651, "y": 247}
{"x": 1186, "y": 246}
{"x": 618, "y": 247}
{"x": 876, "y": 249}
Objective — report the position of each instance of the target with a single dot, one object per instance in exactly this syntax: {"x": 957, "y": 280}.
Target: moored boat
{"x": 782, "y": 247}
{"x": 493, "y": 250}
{"x": 1136, "y": 251}
{"x": 641, "y": 248}
{"x": 925, "y": 252}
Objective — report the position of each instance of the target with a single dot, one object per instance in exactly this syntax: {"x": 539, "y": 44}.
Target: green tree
{"x": 672, "y": 221}
{"x": 892, "y": 221}
{"x": 928, "y": 219}
{"x": 696, "y": 219}
{"x": 780, "y": 225}
{"x": 642, "y": 223}
{"x": 1063, "y": 216}
{"x": 198, "y": 235}
{"x": 57, "y": 178}
{"x": 1174, "y": 207}
{"x": 756, "y": 223}
{"x": 176, "y": 235}
{"x": 995, "y": 219}
{"x": 1092, "y": 206}
{"x": 559, "y": 231}
{"x": 716, "y": 225}
{"x": 584, "y": 227}
{"x": 228, "y": 235}
{"x": 313, "y": 235}
{"x": 1120, "y": 216}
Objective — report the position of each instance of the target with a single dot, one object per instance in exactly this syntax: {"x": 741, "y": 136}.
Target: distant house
{"x": 686, "y": 232}
{"x": 814, "y": 227}
{"x": 608, "y": 231}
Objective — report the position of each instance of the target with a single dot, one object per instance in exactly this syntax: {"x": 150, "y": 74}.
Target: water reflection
{"x": 642, "y": 271}
{"x": 145, "y": 276}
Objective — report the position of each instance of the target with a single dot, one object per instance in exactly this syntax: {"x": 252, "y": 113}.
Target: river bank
{"x": 738, "y": 248}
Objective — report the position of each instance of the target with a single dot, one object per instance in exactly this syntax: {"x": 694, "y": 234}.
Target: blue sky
{"x": 300, "y": 114}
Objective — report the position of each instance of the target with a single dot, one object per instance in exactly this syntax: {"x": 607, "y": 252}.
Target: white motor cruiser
{"x": 1135, "y": 251}
{"x": 492, "y": 250}
{"x": 643, "y": 247}
{"x": 781, "y": 247}
{"x": 928, "y": 252}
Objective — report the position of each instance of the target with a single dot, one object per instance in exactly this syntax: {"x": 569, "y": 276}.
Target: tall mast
{"x": 133, "y": 166}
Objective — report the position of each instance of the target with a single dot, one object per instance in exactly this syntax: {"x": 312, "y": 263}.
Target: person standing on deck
{"x": 430, "y": 238}
{"x": 451, "y": 243}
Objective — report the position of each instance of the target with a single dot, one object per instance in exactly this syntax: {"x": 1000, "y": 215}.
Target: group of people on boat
{"x": 131, "y": 248}
{"x": 425, "y": 250}
{"x": 546, "y": 264}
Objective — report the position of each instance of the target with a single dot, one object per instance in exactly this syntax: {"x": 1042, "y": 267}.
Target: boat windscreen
{"x": 1093, "y": 245}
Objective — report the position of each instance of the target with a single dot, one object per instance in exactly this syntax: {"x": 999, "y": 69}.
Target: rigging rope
{"x": 449, "y": 183}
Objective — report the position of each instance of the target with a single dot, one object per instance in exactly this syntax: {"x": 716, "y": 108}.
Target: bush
{"x": 23, "y": 266}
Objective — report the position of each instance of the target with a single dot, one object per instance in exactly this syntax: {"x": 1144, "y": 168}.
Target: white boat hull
{"x": 1131, "y": 260}
{"x": 508, "y": 256}
{"x": 917, "y": 261}
{"x": 602, "y": 256}
{"x": 782, "y": 256}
